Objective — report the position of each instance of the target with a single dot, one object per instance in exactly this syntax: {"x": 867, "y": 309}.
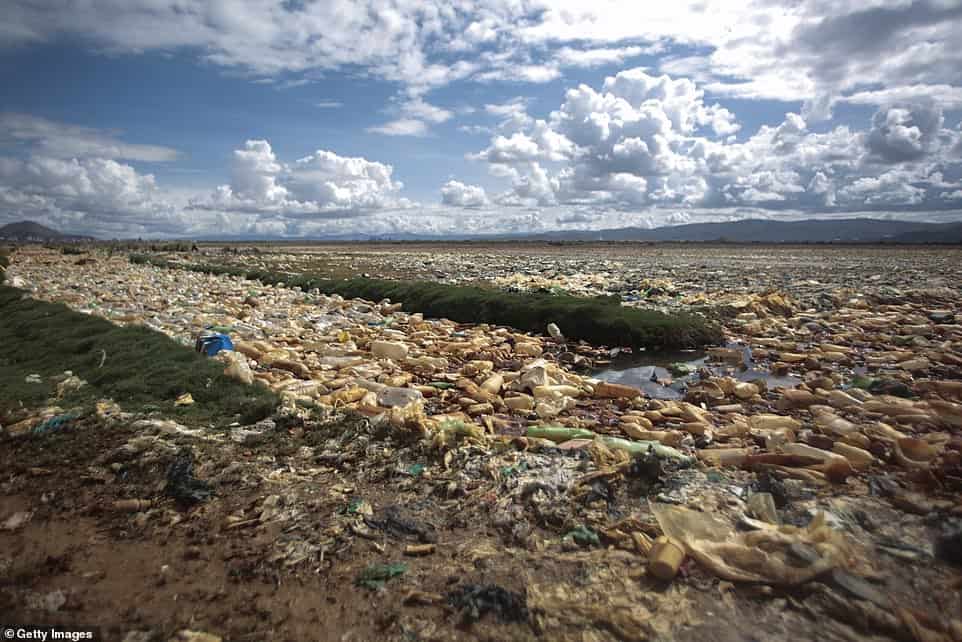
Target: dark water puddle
{"x": 645, "y": 369}
{"x": 648, "y": 371}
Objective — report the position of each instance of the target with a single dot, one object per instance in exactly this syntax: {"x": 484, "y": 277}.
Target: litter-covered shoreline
{"x": 801, "y": 503}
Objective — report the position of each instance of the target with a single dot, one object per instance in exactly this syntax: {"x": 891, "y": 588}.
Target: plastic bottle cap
{"x": 666, "y": 556}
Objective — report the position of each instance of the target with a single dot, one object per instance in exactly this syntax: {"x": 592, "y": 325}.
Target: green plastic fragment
{"x": 583, "y": 536}
{"x": 55, "y": 424}
{"x": 374, "y": 576}
{"x": 559, "y": 434}
{"x": 454, "y": 427}
{"x": 641, "y": 447}
{"x": 415, "y": 470}
{"x": 355, "y": 505}
{"x": 508, "y": 471}
{"x": 441, "y": 385}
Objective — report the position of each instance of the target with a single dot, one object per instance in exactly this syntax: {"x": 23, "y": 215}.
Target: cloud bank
{"x": 657, "y": 142}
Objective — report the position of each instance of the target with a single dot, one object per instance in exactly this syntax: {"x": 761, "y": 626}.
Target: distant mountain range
{"x": 30, "y": 232}
{"x": 850, "y": 230}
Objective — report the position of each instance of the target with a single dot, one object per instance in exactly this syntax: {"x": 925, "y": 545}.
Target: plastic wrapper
{"x": 756, "y": 556}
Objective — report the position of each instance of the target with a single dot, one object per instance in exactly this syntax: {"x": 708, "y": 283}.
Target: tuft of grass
{"x": 137, "y": 367}
{"x": 600, "y": 321}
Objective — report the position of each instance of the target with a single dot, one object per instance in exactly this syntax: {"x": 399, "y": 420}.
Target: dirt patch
{"x": 166, "y": 569}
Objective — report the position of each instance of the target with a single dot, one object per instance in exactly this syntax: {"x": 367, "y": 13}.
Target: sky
{"x": 379, "y": 118}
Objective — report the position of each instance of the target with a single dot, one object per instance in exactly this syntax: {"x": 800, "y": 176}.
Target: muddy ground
{"x": 221, "y": 567}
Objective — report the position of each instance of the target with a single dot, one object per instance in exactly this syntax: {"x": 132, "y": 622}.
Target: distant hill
{"x": 852, "y": 230}
{"x": 948, "y": 233}
{"x": 30, "y": 232}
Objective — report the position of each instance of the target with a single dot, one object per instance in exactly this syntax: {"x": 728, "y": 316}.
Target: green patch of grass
{"x": 600, "y": 321}
{"x": 137, "y": 367}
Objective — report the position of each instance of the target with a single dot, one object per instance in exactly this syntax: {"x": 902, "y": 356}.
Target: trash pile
{"x": 665, "y": 277}
{"x": 833, "y": 493}
{"x": 426, "y": 375}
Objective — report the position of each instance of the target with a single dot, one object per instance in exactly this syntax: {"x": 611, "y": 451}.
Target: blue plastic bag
{"x": 210, "y": 343}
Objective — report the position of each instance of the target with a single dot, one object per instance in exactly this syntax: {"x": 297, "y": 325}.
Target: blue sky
{"x": 382, "y": 117}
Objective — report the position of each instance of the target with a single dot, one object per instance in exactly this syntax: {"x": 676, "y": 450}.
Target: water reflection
{"x": 666, "y": 375}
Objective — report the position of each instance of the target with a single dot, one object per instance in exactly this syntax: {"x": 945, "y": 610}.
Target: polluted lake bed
{"x": 202, "y": 455}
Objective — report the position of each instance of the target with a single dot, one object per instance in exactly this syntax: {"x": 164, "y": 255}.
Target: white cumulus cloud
{"x": 458, "y": 194}
{"x": 644, "y": 141}
{"x": 96, "y": 195}
{"x": 321, "y": 184}
{"x": 569, "y": 56}
{"x": 401, "y": 127}
{"x": 416, "y": 113}
{"x": 904, "y": 133}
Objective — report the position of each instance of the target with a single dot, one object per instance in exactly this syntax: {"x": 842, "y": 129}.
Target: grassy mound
{"x": 600, "y": 321}
{"x": 143, "y": 370}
